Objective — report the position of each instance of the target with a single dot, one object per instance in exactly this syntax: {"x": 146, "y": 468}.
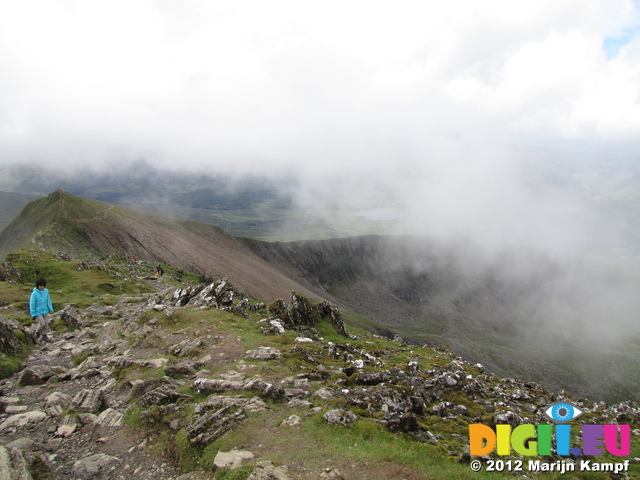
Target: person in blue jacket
{"x": 40, "y": 307}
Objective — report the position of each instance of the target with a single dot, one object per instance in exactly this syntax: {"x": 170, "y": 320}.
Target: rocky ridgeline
{"x": 64, "y": 416}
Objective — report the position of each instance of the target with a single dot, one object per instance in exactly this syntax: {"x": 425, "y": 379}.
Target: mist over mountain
{"x": 565, "y": 320}
{"x": 462, "y": 173}
{"x": 501, "y": 140}
{"x": 244, "y": 204}
{"x": 565, "y": 200}
{"x": 568, "y": 321}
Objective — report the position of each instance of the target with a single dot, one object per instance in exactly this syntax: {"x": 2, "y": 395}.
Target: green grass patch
{"x": 241, "y": 473}
{"x": 135, "y": 372}
{"x": 68, "y": 281}
{"x": 11, "y": 364}
{"x": 79, "y": 358}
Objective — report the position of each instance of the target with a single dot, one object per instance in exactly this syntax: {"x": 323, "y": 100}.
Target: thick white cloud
{"x": 416, "y": 99}
{"x": 196, "y": 81}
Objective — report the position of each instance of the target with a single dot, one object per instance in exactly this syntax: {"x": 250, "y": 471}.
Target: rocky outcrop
{"x": 300, "y": 313}
{"x": 214, "y": 295}
{"x": 212, "y": 424}
{"x": 9, "y": 342}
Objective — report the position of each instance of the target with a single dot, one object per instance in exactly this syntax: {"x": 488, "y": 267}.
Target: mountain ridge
{"x": 77, "y": 226}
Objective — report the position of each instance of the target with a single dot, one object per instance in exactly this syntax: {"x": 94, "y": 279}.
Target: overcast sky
{"x": 404, "y": 89}
{"x": 195, "y": 82}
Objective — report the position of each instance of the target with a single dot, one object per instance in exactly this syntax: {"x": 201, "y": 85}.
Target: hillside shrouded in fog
{"x": 506, "y": 132}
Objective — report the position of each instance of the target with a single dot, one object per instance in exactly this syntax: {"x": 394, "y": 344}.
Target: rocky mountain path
{"x": 63, "y": 414}
{"x": 65, "y": 404}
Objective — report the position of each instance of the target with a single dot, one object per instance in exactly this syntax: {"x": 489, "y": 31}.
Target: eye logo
{"x": 529, "y": 440}
{"x": 563, "y": 412}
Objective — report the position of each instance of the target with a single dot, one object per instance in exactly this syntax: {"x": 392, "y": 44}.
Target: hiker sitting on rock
{"x": 40, "y": 307}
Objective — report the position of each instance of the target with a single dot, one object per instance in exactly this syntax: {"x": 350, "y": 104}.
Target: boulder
{"x": 94, "y": 465}
{"x": 163, "y": 395}
{"x": 264, "y": 353}
{"x": 216, "y": 402}
{"x": 22, "y": 419}
{"x": 179, "y": 369}
{"x": 69, "y": 316}
{"x": 9, "y": 343}
{"x": 35, "y": 375}
{"x": 292, "y": 421}
{"x": 20, "y": 464}
{"x": 233, "y": 459}
{"x": 58, "y": 399}
{"x": 268, "y": 471}
{"x": 205, "y": 429}
{"x": 340, "y": 416}
{"x": 88, "y": 401}
{"x": 110, "y": 418}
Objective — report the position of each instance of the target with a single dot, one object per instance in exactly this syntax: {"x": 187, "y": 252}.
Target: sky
{"x": 410, "y": 96}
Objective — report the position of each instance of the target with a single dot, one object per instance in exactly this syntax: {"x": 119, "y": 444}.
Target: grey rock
{"x": 68, "y": 316}
{"x": 233, "y": 376}
{"x": 233, "y": 459}
{"x": 94, "y": 465}
{"x": 22, "y": 419}
{"x": 297, "y": 403}
{"x": 179, "y": 369}
{"x": 58, "y": 399}
{"x": 136, "y": 388}
{"x": 216, "y": 402}
{"x": 162, "y": 395}
{"x": 110, "y": 418}
{"x": 9, "y": 342}
{"x": 88, "y": 401}
{"x": 23, "y": 443}
{"x": 292, "y": 421}
{"x": 88, "y": 418}
{"x": 324, "y": 393}
{"x": 185, "y": 347}
{"x": 340, "y": 416}
{"x": 265, "y": 389}
{"x": 264, "y": 353}
{"x": 35, "y": 375}
{"x": 205, "y": 429}
{"x": 268, "y": 471}
{"x": 17, "y": 464}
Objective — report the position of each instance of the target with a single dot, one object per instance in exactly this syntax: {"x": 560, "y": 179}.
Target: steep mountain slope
{"x": 62, "y": 222}
{"x": 562, "y": 319}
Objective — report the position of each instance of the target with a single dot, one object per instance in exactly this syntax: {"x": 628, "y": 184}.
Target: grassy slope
{"x": 70, "y": 282}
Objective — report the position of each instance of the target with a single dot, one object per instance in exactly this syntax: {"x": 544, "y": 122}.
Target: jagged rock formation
{"x": 95, "y": 401}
